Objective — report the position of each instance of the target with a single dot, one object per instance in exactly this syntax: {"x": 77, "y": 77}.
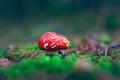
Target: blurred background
{"x": 27, "y": 20}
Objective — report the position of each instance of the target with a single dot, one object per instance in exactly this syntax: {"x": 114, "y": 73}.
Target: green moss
{"x": 57, "y": 64}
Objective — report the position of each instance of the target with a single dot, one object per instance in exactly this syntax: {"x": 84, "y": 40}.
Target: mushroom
{"x": 51, "y": 41}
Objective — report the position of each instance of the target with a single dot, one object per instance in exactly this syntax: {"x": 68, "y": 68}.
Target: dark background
{"x": 28, "y": 19}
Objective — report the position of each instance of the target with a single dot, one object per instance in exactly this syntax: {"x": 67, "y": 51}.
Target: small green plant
{"x": 103, "y": 38}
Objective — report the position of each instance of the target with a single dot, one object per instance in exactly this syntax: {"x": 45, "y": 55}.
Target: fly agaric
{"x": 51, "y": 41}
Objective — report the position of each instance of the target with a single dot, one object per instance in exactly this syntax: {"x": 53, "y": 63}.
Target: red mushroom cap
{"x": 51, "y": 41}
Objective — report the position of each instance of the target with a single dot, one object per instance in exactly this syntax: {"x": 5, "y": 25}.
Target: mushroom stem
{"x": 60, "y": 53}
